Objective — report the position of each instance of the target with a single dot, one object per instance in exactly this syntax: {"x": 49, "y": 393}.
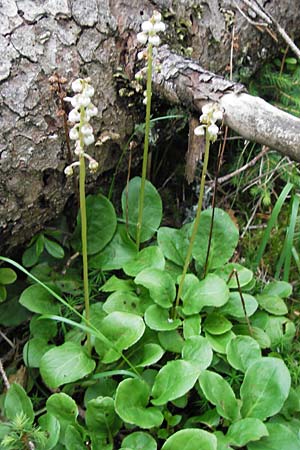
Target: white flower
{"x": 92, "y": 110}
{"x": 140, "y": 55}
{"x": 74, "y": 115}
{"x": 84, "y": 100}
{"x": 75, "y": 101}
{"x": 204, "y": 118}
{"x": 145, "y": 101}
{"x": 159, "y": 26}
{"x": 88, "y": 139}
{"x": 142, "y": 38}
{"x": 156, "y": 16}
{"x": 217, "y": 115}
{"x": 154, "y": 40}
{"x": 69, "y": 171}
{"x": 86, "y": 129}
{"x": 199, "y": 131}
{"x": 74, "y": 133}
{"x": 78, "y": 149}
{"x": 147, "y": 26}
{"x": 207, "y": 108}
{"x": 89, "y": 91}
{"x": 93, "y": 165}
{"x": 77, "y": 85}
{"x": 213, "y": 130}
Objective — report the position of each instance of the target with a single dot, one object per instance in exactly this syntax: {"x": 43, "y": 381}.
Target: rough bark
{"x": 95, "y": 38}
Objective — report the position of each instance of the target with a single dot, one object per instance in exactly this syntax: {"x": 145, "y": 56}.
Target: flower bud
{"x": 93, "y": 165}
{"x": 77, "y": 85}
{"x": 74, "y": 134}
{"x": 156, "y": 16}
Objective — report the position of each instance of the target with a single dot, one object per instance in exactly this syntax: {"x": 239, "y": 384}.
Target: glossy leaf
{"x": 50, "y": 424}
{"x": 265, "y": 388}
{"x": 125, "y": 301}
{"x": 173, "y": 380}
{"x": 139, "y": 440}
{"x": 192, "y": 326}
{"x": 149, "y": 354}
{"x": 280, "y": 438}
{"x": 17, "y": 402}
{"x": 272, "y": 304}
{"x": 7, "y": 276}
{"x": 160, "y": 285}
{"x": 219, "y": 392}
{"x": 34, "y": 350}
{"x": 174, "y": 244}
{"x": 234, "y": 306}
{"x": 245, "y": 275}
{"x": 246, "y": 430}
{"x": 38, "y": 300}
{"x": 278, "y": 288}
{"x": 171, "y": 341}
{"x": 216, "y": 323}
{"x": 242, "y": 351}
{"x": 101, "y": 224}
{"x": 101, "y": 416}
{"x": 158, "y": 319}
{"x": 132, "y": 398}
{"x": 219, "y": 342}
{"x": 191, "y": 439}
{"x": 198, "y": 350}
{"x": 54, "y": 249}
{"x": 146, "y": 258}
{"x": 152, "y": 211}
{"x": 64, "y": 364}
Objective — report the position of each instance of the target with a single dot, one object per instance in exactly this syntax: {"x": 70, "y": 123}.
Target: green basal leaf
{"x": 281, "y": 332}
{"x": 51, "y": 425}
{"x": 38, "y": 300}
{"x": 101, "y": 224}
{"x": 234, "y": 306}
{"x": 191, "y": 439}
{"x": 123, "y": 330}
{"x": 219, "y": 342}
{"x": 125, "y": 301}
{"x": 219, "y": 392}
{"x": 7, "y": 276}
{"x": 245, "y": 275}
{"x": 175, "y": 379}
{"x": 212, "y": 291}
{"x": 222, "y": 441}
{"x": 115, "y": 284}
{"x": 63, "y": 407}
{"x": 256, "y": 333}
{"x": 54, "y": 249}
{"x": 242, "y": 351}
{"x": 149, "y": 354}
{"x": 103, "y": 387}
{"x": 216, "y": 323}
{"x": 265, "y": 388}
{"x": 210, "y": 419}
{"x": 46, "y": 329}
{"x": 272, "y": 304}
{"x": 244, "y": 431}
{"x": 152, "y": 211}
{"x": 158, "y": 319}
{"x": 73, "y": 438}
{"x": 17, "y": 402}
{"x": 101, "y": 416}
{"x": 64, "y": 364}
{"x": 30, "y": 257}
{"x": 139, "y": 440}
{"x": 192, "y": 326}
{"x": 197, "y": 350}
{"x": 280, "y": 438}
{"x": 3, "y": 294}
{"x": 12, "y": 313}
{"x": 224, "y": 239}
{"x": 132, "y": 398}
{"x": 160, "y": 285}
{"x": 118, "y": 252}
{"x": 278, "y": 288}
{"x": 174, "y": 244}
{"x": 171, "y": 341}
{"x": 34, "y": 350}
{"x": 146, "y": 258}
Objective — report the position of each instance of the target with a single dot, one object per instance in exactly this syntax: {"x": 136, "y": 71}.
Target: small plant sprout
{"x": 211, "y": 113}
{"x": 149, "y": 36}
{"x": 82, "y": 133}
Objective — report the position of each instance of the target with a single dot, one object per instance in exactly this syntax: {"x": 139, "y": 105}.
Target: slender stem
{"x": 196, "y": 224}
{"x": 243, "y": 302}
{"x": 146, "y": 148}
{"x": 84, "y": 237}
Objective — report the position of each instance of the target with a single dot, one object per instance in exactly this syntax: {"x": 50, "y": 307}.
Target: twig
{"x": 251, "y": 163}
{"x": 10, "y": 343}
{"x": 4, "y": 377}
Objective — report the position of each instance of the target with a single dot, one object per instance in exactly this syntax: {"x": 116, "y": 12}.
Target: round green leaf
{"x": 280, "y": 437}
{"x": 49, "y": 423}
{"x": 30, "y": 257}
{"x": 122, "y": 330}
{"x": 265, "y": 388}
{"x": 117, "y": 284}
{"x": 216, "y": 323}
{"x": 281, "y": 332}
{"x": 101, "y": 416}
{"x": 139, "y": 441}
{"x": 242, "y": 351}
{"x": 246, "y": 430}
{"x": 174, "y": 244}
{"x": 160, "y": 285}
{"x": 54, "y": 249}
{"x": 257, "y": 333}
{"x": 197, "y": 350}
{"x": 119, "y": 251}
{"x": 45, "y": 328}
{"x": 148, "y": 257}
{"x": 7, "y": 276}
{"x": 171, "y": 341}
{"x": 191, "y": 439}
{"x": 273, "y": 304}
{"x": 101, "y": 224}
{"x": 17, "y": 402}
{"x": 245, "y": 275}
{"x": 175, "y": 379}
{"x": 125, "y": 301}
{"x": 132, "y": 398}
{"x": 34, "y": 350}
{"x": 158, "y": 319}
{"x": 192, "y": 326}
{"x": 212, "y": 291}
{"x": 65, "y": 364}
{"x": 219, "y": 342}
{"x": 224, "y": 240}
{"x": 219, "y": 392}
{"x": 279, "y": 288}
{"x": 38, "y": 300}
{"x": 152, "y": 211}
{"x": 3, "y": 294}
{"x": 234, "y": 306}
{"x": 149, "y": 354}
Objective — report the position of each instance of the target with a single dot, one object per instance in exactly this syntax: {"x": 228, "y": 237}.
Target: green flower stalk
{"x": 82, "y": 133}
{"x": 150, "y": 28}
{"x": 211, "y": 113}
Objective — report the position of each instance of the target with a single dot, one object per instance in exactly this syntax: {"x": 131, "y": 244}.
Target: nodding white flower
{"x": 156, "y": 16}
{"x": 213, "y": 130}
{"x": 154, "y": 40}
{"x": 207, "y": 108}
{"x": 88, "y": 139}
{"x": 69, "y": 171}
{"x": 141, "y": 55}
{"x": 74, "y": 115}
{"x": 142, "y": 38}
{"x": 77, "y": 85}
{"x": 86, "y": 129}
{"x": 217, "y": 115}
{"x": 83, "y": 100}
{"x": 89, "y": 91}
{"x": 159, "y": 26}
{"x": 147, "y": 26}
{"x": 74, "y": 133}
{"x": 93, "y": 165}
{"x": 199, "y": 131}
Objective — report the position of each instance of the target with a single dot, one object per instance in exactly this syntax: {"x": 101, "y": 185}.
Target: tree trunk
{"x": 97, "y": 38}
